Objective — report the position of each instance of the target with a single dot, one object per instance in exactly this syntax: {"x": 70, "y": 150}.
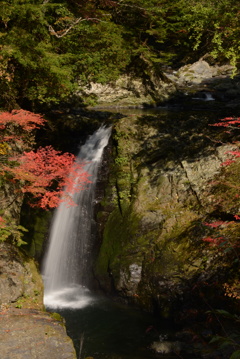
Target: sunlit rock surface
{"x": 31, "y": 334}
{"x": 166, "y": 84}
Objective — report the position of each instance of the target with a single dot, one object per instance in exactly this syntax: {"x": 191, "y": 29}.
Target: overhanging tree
{"x": 46, "y": 175}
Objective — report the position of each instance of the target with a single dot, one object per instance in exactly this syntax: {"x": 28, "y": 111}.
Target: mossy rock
{"x": 20, "y": 279}
{"x": 157, "y": 203}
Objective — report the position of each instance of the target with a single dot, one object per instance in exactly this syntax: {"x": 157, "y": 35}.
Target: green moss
{"x": 37, "y": 222}
{"x": 120, "y": 243}
{"x": 35, "y": 275}
{"x": 32, "y": 296}
{"x": 157, "y": 221}
{"x": 58, "y": 317}
{"x": 134, "y": 232}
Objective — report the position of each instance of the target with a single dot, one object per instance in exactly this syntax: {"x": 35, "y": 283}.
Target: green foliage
{"x": 230, "y": 340}
{"x": 32, "y": 68}
{"x": 10, "y": 230}
{"x": 48, "y": 46}
{"x": 213, "y": 27}
{"x": 37, "y": 221}
{"x": 98, "y": 58}
{"x": 235, "y": 355}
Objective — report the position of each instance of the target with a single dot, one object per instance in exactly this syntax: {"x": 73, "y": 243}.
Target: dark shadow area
{"x": 183, "y": 134}
{"x": 109, "y": 330}
{"x": 67, "y": 129}
{"x": 224, "y": 89}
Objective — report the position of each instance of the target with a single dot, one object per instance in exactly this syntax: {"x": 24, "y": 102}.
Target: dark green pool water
{"x": 105, "y": 329}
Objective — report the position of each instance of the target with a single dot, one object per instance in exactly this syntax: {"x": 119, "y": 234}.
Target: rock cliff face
{"x": 154, "y": 89}
{"x": 156, "y": 203}
{"x": 20, "y": 282}
{"x": 128, "y": 91}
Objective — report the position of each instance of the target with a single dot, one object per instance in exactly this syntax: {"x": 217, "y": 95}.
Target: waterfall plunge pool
{"x": 103, "y": 329}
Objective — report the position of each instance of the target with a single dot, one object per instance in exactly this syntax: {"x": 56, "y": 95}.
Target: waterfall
{"x": 65, "y": 263}
{"x": 204, "y": 96}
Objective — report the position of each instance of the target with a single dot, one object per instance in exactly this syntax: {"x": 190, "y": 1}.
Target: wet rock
{"x": 130, "y": 279}
{"x": 166, "y": 347}
{"x": 31, "y": 334}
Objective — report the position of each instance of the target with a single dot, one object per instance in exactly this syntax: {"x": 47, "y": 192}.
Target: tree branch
{"x": 64, "y": 32}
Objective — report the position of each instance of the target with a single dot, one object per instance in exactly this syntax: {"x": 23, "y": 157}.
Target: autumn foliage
{"x": 222, "y": 231}
{"x": 28, "y": 121}
{"x": 230, "y": 123}
{"x": 16, "y": 130}
{"x": 49, "y": 176}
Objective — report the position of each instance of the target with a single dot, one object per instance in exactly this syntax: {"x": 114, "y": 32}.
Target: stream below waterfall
{"x": 99, "y": 327}
{"x": 105, "y": 329}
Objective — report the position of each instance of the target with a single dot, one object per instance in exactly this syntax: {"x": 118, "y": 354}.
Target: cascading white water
{"x": 64, "y": 265}
{"x": 204, "y": 96}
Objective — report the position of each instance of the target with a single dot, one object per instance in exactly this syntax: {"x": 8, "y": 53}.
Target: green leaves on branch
{"x": 214, "y": 28}
{"x": 48, "y": 46}
{"x": 11, "y": 231}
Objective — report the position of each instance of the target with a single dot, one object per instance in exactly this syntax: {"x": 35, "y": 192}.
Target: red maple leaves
{"x": 48, "y": 175}
{"x": 28, "y": 121}
{"x": 228, "y": 122}
{"x": 214, "y": 241}
{"x": 232, "y": 123}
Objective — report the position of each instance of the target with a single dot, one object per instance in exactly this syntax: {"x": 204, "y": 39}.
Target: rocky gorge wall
{"x": 153, "y": 89}
{"x": 156, "y": 202}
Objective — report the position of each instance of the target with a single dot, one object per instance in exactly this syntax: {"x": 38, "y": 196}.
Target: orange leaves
{"x": 25, "y": 119}
{"x": 214, "y": 241}
{"x": 2, "y": 222}
{"x": 231, "y": 123}
{"x": 46, "y": 172}
{"x": 227, "y": 162}
{"x": 215, "y": 224}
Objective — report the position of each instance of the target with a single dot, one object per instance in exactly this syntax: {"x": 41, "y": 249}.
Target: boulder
{"x": 26, "y": 330}
{"x": 32, "y": 334}
{"x": 161, "y": 86}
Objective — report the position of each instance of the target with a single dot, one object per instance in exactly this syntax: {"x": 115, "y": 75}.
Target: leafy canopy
{"x": 48, "y": 46}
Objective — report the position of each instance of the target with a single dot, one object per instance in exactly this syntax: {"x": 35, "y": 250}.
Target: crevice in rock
{"x": 190, "y": 184}
{"x": 223, "y": 216}
{"x": 118, "y": 198}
